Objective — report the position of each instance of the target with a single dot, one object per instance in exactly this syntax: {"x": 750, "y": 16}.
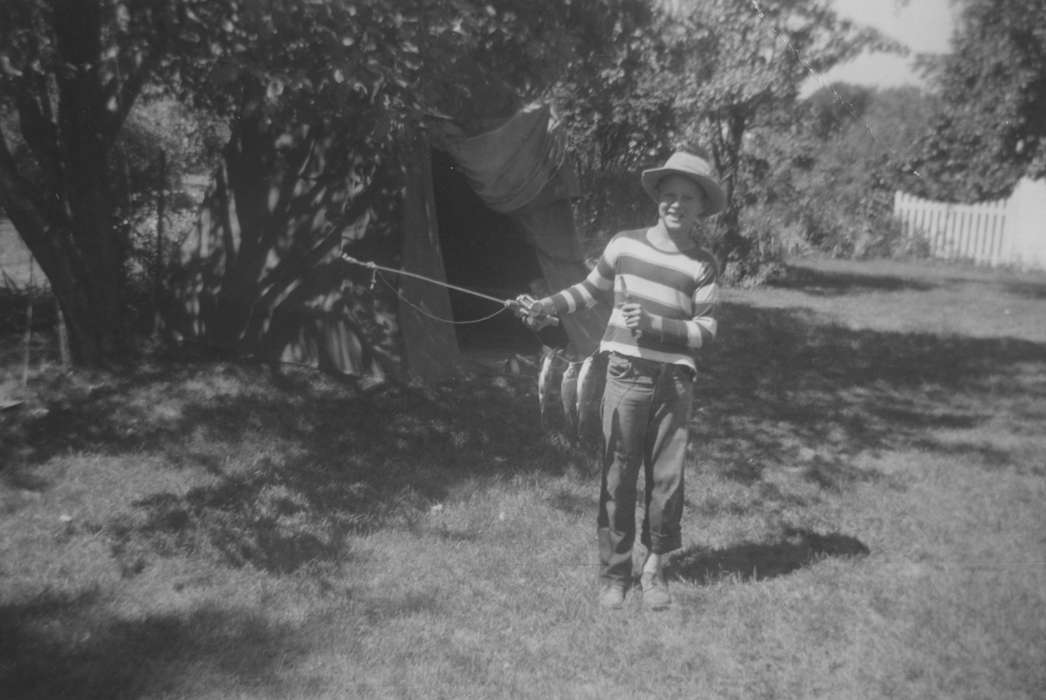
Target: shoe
{"x": 655, "y": 590}
{"x": 612, "y": 595}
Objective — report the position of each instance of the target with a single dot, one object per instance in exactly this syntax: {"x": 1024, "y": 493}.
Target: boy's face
{"x": 680, "y": 204}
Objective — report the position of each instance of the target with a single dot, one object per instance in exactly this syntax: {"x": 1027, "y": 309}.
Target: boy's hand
{"x": 636, "y": 317}
{"x": 536, "y": 313}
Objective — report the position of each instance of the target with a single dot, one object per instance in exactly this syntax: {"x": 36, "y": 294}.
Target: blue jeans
{"x": 646, "y": 410}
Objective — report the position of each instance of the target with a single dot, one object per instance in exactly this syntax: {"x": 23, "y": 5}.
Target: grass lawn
{"x": 865, "y": 518}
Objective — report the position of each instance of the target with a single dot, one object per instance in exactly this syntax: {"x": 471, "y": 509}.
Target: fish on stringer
{"x": 569, "y": 395}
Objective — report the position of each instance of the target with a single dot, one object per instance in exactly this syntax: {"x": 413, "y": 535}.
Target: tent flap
{"x": 551, "y": 228}
{"x": 509, "y": 166}
{"x": 521, "y": 168}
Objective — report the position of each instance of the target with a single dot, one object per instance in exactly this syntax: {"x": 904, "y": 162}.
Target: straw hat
{"x": 689, "y": 166}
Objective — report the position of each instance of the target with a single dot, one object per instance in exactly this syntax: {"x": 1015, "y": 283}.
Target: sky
{"x": 924, "y": 25}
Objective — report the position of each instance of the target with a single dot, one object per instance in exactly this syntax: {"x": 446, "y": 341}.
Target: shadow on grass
{"x": 1031, "y": 290}
{"x": 820, "y": 282}
{"x": 749, "y": 561}
{"x": 296, "y": 464}
{"x": 575, "y": 505}
{"x": 784, "y": 388}
{"x": 51, "y": 649}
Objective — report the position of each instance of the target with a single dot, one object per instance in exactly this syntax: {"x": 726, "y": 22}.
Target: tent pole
{"x": 28, "y": 323}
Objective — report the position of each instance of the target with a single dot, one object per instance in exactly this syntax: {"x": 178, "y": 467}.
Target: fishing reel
{"x": 545, "y": 325}
{"x": 533, "y": 315}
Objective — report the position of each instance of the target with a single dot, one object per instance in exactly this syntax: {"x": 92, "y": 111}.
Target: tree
{"x": 71, "y": 70}
{"x": 743, "y": 64}
{"x": 314, "y": 96}
{"x": 833, "y": 175}
{"x": 708, "y": 74}
{"x": 616, "y": 116}
{"x": 322, "y": 100}
{"x": 991, "y": 127}
{"x": 314, "y": 92}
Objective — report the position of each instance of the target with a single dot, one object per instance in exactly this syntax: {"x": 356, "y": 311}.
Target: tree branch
{"x": 39, "y": 132}
{"x": 36, "y": 223}
{"x": 19, "y": 193}
{"x": 126, "y": 95}
{"x": 298, "y": 162}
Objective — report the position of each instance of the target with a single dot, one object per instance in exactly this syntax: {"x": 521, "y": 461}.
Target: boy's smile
{"x": 680, "y": 203}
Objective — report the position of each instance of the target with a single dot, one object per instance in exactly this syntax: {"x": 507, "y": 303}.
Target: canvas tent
{"x": 521, "y": 170}
{"x": 486, "y": 203}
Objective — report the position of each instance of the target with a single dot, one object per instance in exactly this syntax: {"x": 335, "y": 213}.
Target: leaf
{"x": 8, "y": 68}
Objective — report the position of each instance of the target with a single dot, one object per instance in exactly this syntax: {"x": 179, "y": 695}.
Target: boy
{"x": 663, "y": 286}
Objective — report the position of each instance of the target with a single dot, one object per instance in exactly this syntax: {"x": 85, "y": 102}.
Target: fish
{"x": 591, "y": 381}
{"x": 548, "y": 377}
{"x": 568, "y": 393}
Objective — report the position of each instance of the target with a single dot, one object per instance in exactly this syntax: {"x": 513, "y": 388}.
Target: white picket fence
{"x": 1007, "y": 232}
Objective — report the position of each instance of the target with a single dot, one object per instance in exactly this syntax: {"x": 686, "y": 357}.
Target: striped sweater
{"x": 678, "y": 289}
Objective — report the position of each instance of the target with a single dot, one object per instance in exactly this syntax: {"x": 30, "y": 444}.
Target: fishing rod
{"x": 524, "y": 301}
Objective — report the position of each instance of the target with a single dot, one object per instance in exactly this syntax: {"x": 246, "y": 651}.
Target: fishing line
{"x": 428, "y": 314}
{"x": 506, "y": 304}
{"x": 404, "y": 273}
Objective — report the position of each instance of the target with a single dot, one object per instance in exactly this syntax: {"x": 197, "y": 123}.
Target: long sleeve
{"x": 677, "y": 289}
{"x": 589, "y": 291}
{"x": 700, "y": 329}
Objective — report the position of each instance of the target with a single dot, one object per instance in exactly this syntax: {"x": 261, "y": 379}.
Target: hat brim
{"x": 713, "y": 191}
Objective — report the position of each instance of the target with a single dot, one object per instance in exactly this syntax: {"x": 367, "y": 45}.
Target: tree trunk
{"x": 727, "y": 136}
{"x": 83, "y": 264}
{"x": 96, "y": 320}
{"x": 247, "y": 221}
{"x": 265, "y": 247}
{"x": 64, "y": 211}
{"x": 161, "y": 231}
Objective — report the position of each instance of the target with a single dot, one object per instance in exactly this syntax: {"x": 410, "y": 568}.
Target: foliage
{"x": 616, "y": 115}
{"x": 390, "y": 66}
{"x": 300, "y": 177}
{"x": 709, "y": 75}
{"x": 990, "y": 129}
{"x": 617, "y": 119}
{"x": 162, "y": 142}
{"x": 312, "y": 104}
{"x": 836, "y": 170}
{"x": 72, "y": 72}
{"x": 749, "y": 61}
{"x": 312, "y": 93}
